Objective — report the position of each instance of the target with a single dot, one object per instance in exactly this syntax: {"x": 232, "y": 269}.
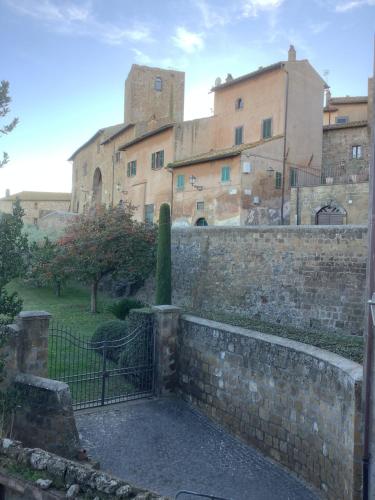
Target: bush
{"x": 122, "y": 308}
{"x": 111, "y": 330}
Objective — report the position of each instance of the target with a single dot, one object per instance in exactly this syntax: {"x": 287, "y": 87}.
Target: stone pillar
{"x": 165, "y": 327}
{"x": 32, "y": 348}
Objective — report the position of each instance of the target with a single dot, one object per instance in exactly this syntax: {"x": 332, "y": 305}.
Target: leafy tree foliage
{"x": 163, "y": 267}
{"x": 46, "y": 265}
{"x": 13, "y": 248}
{"x": 109, "y": 242}
{"x": 4, "y": 110}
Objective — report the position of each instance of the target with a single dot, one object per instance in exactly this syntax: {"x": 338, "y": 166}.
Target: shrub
{"x": 111, "y": 330}
{"x": 122, "y": 308}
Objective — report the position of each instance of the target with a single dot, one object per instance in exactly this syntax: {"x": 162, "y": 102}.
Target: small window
{"x": 200, "y": 205}
{"x": 225, "y": 174}
{"x": 132, "y": 168}
{"x": 118, "y": 156}
{"x": 181, "y": 182}
{"x": 149, "y": 214}
{"x": 293, "y": 177}
{"x": 267, "y": 128}
{"x": 35, "y": 204}
{"x": 98, "y": 147}
{"x": 158, "y": 84}
{"x": 85, "y": 168}
{"x": 239, "y": 103}
{"x": 341, "y": 119}
{"x": 278, "y": 180}
{"x": 357, "y": 152}
{"x": 157, "y": 160}
{"x": 238, "y": 135}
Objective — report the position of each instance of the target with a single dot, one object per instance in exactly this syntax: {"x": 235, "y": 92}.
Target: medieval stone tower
{"x": 154, "y": 94}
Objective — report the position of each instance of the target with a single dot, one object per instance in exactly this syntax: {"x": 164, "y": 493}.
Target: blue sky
{"x": 66, "y": 61}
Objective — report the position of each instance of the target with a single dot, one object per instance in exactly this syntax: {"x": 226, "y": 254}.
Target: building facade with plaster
{"x": 235, "y": 167}
{"x": 36, "y": 204}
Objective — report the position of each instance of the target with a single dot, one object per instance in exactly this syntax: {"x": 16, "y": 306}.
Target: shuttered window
{"x": 238, "y": 135}
{"x": 278, "y": 180}
{"x": 267, "y": 128}
{"x": 180, "y": 182}
{"x": 157, "y": 160}
{"x": 132, "y": 168}
{"x": 225, "y": 174}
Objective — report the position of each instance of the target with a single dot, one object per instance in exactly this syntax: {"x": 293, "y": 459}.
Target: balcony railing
{"x": 300, "y": 177}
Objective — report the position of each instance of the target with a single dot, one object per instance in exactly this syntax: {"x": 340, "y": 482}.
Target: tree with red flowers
{"x": 110, "y": 242}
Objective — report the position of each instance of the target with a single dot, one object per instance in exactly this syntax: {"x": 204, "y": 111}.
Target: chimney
{"x": 292, "y": 54}
{"x": 7, "y": 193}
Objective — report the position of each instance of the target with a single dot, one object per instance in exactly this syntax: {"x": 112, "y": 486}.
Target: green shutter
{"x": 161, "y": 162}
{"x": 278, "y": 180}
{"x": 225, "y": 174}
{"x": 128, "y": 169}
{"x": 293, "y": 177}
{"x": 153, "y": 160}
{"x": 267, "y": 128}
{"x": 180, "y": 182}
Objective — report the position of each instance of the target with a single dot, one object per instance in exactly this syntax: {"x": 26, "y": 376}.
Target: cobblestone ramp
{"x": 165, "y": 446}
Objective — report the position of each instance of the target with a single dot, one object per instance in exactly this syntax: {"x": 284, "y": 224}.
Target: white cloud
{"x": 141, "y": 57}
{"x": 188, "y": 41}
{"x": 198, "y": 102}
{"x": 250, "y": 8}
{"x": 69, "y": 18}
{"x": 213, "y": 15}
{"x": 353, "y": 4}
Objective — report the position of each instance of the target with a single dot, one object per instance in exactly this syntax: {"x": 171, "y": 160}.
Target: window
{"x": 158, "y": 84}
{"x": 200, "y": 205}
{"x": 35, "y": 221}
{"x": 239, "y": 103}
{"x": 267, "y": 128}
{"x": 293, "y": 177}
{"x": 201, "y": 222}
{"x": 85, "y": 168}
{"x": 356, "y": 152}
{"x": 225, "y": 174}
{"x": 132, "y": 168}
{"x": 278, "y": 180}
{"x": 118, "y": 156}
{"x": 157, "y": 160}
{"x": 98, "y": 147}
{"x": 238, "y": 135}
{"x": 181, "y": 182}
{"x": 341, "y": 119}
{"x": 149, "y": 214}
{"x": 35, "y": 205}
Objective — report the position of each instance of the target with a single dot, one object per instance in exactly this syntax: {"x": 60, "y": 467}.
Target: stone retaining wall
{"x": 297, "y": 403}
{"x": 309, "y": 277}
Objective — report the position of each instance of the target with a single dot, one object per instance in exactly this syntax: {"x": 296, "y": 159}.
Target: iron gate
{"x": 102, "y": 373}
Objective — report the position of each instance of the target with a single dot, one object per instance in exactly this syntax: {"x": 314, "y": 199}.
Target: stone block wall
{"x": 307, "y": 276}
{"x": 298, "y": 404}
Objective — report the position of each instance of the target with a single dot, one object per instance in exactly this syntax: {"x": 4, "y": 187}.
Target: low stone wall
{"x": 65, "y": 478}
{"x": 44, "y": 416}
{"x": 297, "y": 403}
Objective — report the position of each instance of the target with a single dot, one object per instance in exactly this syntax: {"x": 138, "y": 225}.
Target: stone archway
{"x": 97, "y": 188}
{"x": 330, "y": 214}
{"x": 201, "y": 222}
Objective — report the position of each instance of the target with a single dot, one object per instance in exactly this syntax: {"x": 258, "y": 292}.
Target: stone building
{"x": 235, "y": 167}
{"x": 340, "y": 194}
{"x": 36, "y": 204}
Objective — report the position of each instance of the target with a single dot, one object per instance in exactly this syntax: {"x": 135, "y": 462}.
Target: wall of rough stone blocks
{"x": 311, "y": 277}
{"x": 297, "y": 403}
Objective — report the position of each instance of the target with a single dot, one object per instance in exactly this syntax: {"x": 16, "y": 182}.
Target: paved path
{"x": 166, "y": 446}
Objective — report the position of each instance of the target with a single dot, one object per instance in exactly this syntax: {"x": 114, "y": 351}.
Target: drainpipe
{"x": 369, "y": 349}
{"x": 284, "y": 147}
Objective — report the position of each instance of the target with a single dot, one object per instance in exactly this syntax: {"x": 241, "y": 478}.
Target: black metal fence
{"x": 101, "y": 373}
{"x": 337, "y": 174}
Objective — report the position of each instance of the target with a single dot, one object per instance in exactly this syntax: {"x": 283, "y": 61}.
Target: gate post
{"x": 165, "y": 328}
{"x": 32, "y": 348}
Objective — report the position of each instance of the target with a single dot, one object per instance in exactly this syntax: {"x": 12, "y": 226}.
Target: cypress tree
{"x": 163, "y": 265}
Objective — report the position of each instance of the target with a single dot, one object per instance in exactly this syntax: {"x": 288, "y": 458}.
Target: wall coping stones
{"x": 166, "y": 308}
{"x": 351, "y": 368}
{"x": 42, "y": 383}
{"x": 269, "y": 229}
{"x": 25, "y": 315}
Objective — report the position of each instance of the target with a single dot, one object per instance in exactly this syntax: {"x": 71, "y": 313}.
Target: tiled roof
{"x": 219, "y": 154}
{"x": 146, "y": 135}
{"x": 334, "y": 126}
{"x": 253, "y": 74}
{"x": 105, "y": 132}
{"x": 349, "y": 100}
{"x": 37, "y": 196}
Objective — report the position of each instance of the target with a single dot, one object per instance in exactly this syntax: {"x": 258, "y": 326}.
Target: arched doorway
{"x": 330, "y": 215}
{"x": 201, "y": 222}
{"x": 97, "y": 188}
